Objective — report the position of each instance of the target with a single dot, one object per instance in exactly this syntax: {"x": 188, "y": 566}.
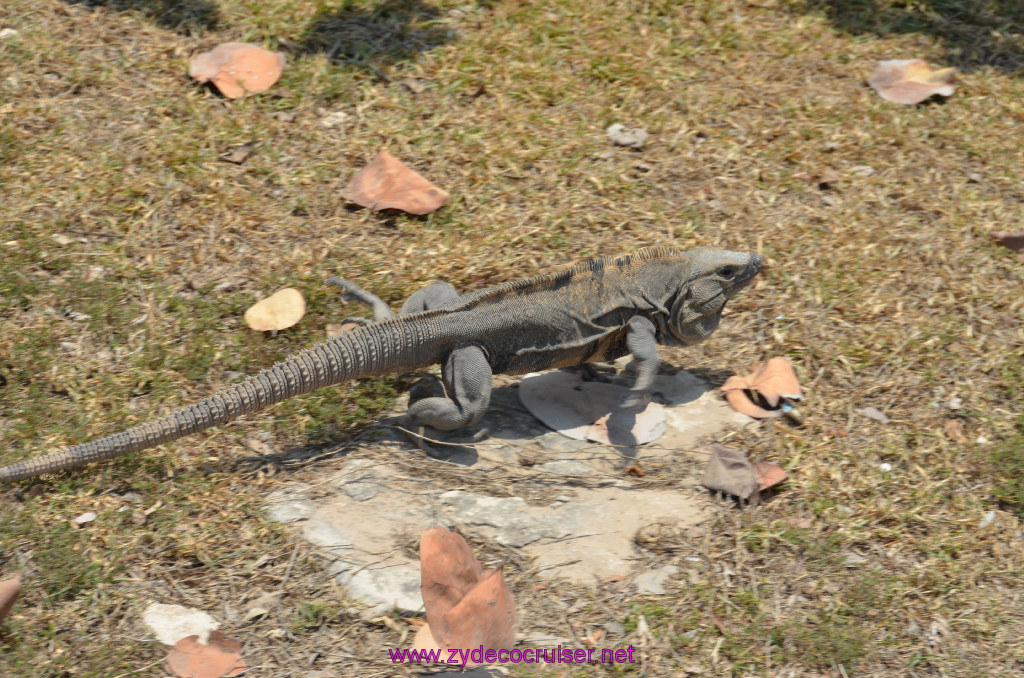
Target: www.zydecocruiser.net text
{"x": 530, "y": 655}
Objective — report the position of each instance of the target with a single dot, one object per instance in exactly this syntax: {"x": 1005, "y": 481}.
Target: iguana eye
{"x": 727, "y": 271}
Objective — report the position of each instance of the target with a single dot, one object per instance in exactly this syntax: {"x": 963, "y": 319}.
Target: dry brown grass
{"x": 883, "y": 290}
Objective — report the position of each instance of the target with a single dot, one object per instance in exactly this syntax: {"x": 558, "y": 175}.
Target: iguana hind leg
{"x": 465, "y": 372}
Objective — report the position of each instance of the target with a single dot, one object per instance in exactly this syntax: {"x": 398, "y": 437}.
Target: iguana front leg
{"x": 643, "y": 345}
{"x": 465, "y": 372}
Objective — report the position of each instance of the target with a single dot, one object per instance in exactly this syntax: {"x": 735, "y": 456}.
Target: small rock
{"x": 614, "y": 628}
{"x": 84, "y": 518}
{"x": 68, "y": 346}
{"x": 414, "y": 85}
{"x": 171, "y": 623}
{"x": 885, "y": 467}
{"x": 873, "y": 413}
{"x": 851, "y": 559}
{"x": 652, "y": 582}
{"x": 335, "y": 119}
{"x": 285, "y": 116}
{"x": 8, "y": 33}
{"x": 975, "y": 178}
{"x": 987, "y": 520}
{"x": 75, "y": 316}
{"x": 955, "y": 403}
{"x": 62, "y": 239}
{"x": 621, "y": 135}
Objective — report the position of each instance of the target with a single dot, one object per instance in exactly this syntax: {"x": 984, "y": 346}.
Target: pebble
{"x": 631, "y": 137}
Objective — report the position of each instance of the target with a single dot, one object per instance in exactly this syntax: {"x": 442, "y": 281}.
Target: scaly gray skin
{"x": 597, "y": 310}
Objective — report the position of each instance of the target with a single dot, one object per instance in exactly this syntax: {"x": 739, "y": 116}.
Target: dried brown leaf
{"x": 773, "y": 379}
{"x": 240, "y": 154}
{"x": 8, "y": 594}
{"x": 954, "y": 430}
{"x": 911, "y": 81}
{"x": 282, "y": 309}
{"x": 1014, "y": 241}
{"x": 730, "y": 471}
{"x": 387, "y": 183}
{"x": 220, "y": 657}
{"x": 465, "y": 606}
{"x": 238, "y": 69}
{"x": 769, "y": 475}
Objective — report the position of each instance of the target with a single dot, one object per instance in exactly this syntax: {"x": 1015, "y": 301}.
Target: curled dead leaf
{"x": 388, "y": 183}
{"x": 221, "y": 656}
{"x": 238, "y": 69}
{"x": 9, "y": 589}
{"x": 1013, "y": 241}
{"x": 466, "y": 607}
{"x": 730, "y": 471}
{"x": 911, "y": 81}
{"x": 954, "y": 430}
{"x": 768, "y": 475}
{"x": 240, "y": 154}
{"x": 773, "y": 380}
{"x": 282, "y": 309}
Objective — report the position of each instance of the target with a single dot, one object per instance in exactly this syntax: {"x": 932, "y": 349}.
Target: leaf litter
{"x": 768, "y": 391}
{"x": 388, "y": 183}
{"x": 280, "y": 310}
{"x": 221, "y": 656}
{"x": 466, "y": 606}
{"x": 911, "y": 81}
{"x": 238, "y": 69}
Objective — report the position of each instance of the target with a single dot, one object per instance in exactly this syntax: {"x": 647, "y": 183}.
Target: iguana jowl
{"x": 597, "y": 310}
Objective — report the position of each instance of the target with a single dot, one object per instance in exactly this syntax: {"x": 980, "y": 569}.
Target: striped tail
{"x": 391, "y": 346}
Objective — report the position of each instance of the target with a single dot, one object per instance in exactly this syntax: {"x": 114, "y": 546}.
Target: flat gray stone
{"x": 557, "y": 443}
{"x": 567, "y": 467}
{"x": 327, "y": 535}
{"x": 589, "y": 410}
{"x": 653, "y": 581}
{"x": 291, "y": 511}
{"x": 514, "y": 520}
{"x": 382, "y": 589}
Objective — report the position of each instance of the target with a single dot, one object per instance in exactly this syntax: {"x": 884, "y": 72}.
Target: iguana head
{"x": 711, "y": 279}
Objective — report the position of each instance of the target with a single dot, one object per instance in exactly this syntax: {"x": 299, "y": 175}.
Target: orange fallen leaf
{"x": 799, "y": 523}
{"x": 911, "y": 81}
{"x": 1014, "y": 241}
{"x": 768, "y": 475}
{"x": 281, "y": 309}
{"x": 388, "y": 183}
{"x": 238, "y": 69}
{"x": 465, "y": 606}
{"x": 773, "y": 379}
{"x": 954, "y": 430}
{"x": 719, "y": 623}
{"x": 8, "y": 594}
{"x": 220, "y": 657}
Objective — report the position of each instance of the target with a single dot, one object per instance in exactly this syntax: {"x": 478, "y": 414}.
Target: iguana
{"x": 597, "y": 310}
